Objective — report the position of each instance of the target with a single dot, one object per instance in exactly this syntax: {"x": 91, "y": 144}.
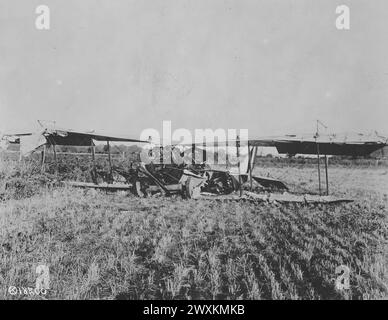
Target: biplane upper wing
{"x": 29, "y": 141}
{"x": 344, "y": 144}
{"x": 335, "y": 144}
{"x": 80, "y": 138}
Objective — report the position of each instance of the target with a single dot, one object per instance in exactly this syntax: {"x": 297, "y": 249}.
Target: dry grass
{"x": 106, "y": 246}
{"x": 362, "y": 184}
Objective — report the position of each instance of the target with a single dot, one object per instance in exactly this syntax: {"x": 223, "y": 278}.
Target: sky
{"x": 270, "y": 66}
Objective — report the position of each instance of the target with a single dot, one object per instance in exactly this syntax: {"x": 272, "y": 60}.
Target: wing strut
{"x": 251, "y": 163}
{"x": 238, "y": 163}
{"x": 193, "y": 153}
{"x": 43, "y": 158}
{"x": 93, "y": 151}
{"x": 327, "y": 174}
{"x": 319, "y": 169}
{"x": 56, "y": 160}
{"x": 110, "y": 162}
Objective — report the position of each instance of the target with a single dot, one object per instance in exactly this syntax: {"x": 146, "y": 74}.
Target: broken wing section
{"x": 30, "y": 143}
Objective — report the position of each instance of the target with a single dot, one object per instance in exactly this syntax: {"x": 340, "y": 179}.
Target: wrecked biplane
{"x": 199, "y": 179}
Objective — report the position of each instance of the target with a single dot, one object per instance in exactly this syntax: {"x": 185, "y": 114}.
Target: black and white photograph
{"x": 193, "y": 156}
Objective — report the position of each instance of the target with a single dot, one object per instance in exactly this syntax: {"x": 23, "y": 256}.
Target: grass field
{"x": 110, "y": 246}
